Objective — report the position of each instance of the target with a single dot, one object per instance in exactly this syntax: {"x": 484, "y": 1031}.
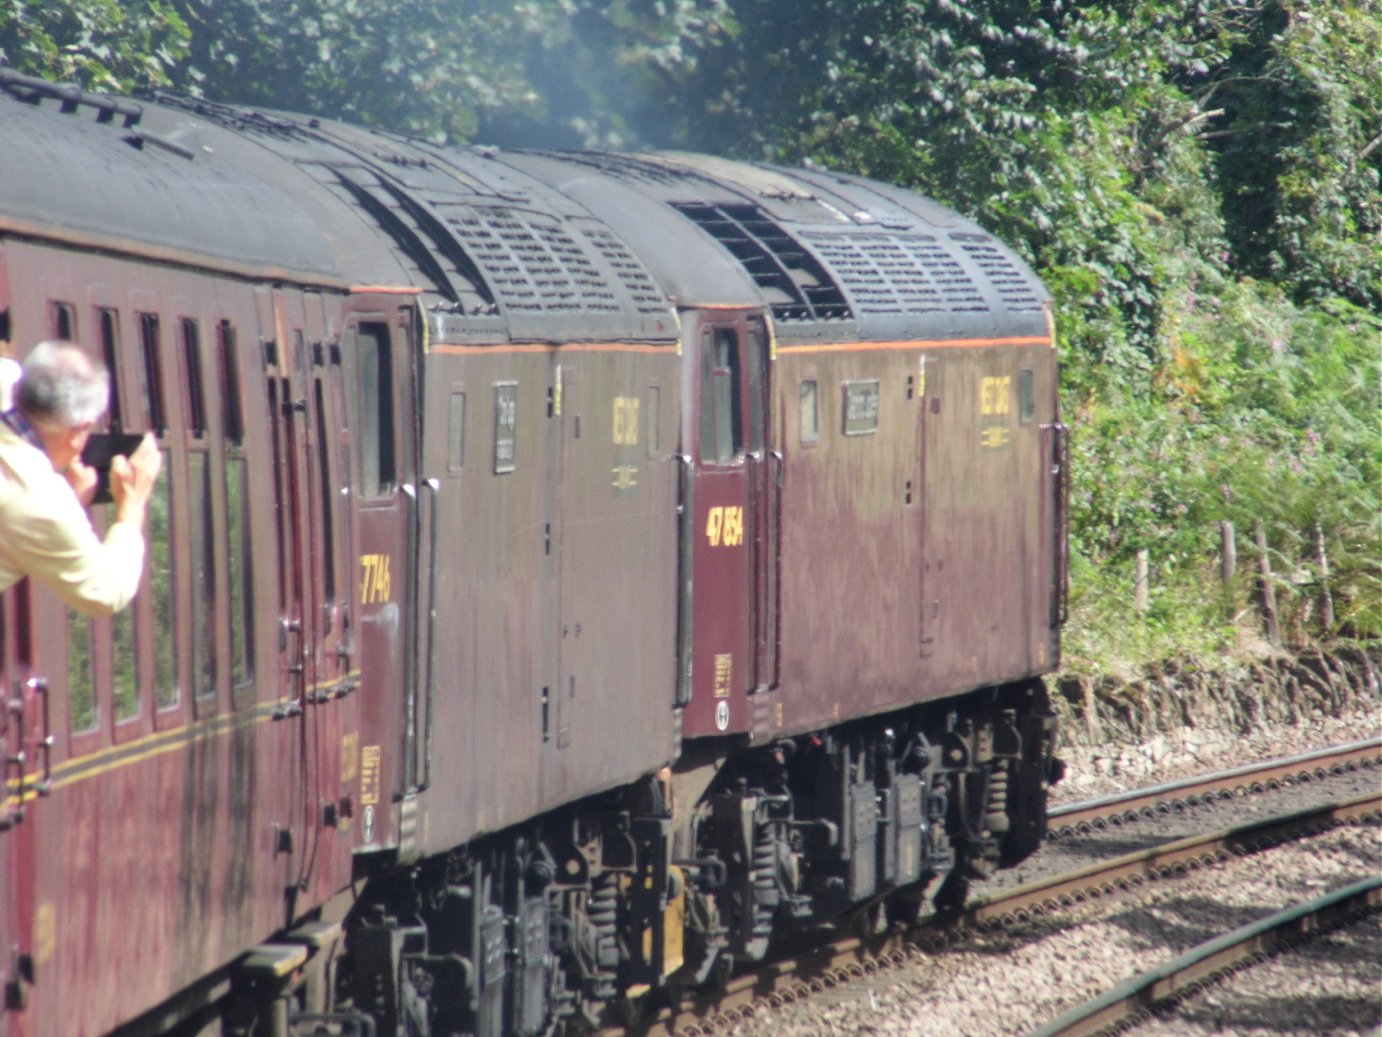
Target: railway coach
{"x": 571, "y": 573}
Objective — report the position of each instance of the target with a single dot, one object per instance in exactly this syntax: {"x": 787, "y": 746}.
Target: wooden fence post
{"x": 1139, "y": 582}
{"x": 1228, "y": 555}
{"x": 1264, "y": 569}
{"x": 1326, "y": 598}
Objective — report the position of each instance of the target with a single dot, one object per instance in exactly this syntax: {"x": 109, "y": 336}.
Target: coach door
{"x": 734, "y": 527}
{"x": 23, "y": 748}
{"x": 313, "y": 619}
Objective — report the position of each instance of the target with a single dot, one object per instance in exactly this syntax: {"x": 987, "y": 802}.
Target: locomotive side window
{"x": 1026, "y": 395}
{"x": 722, "y": 427}
{"x": 455, "y": 433}
{"x": 810, "y": 412}
{"x": 64, "y": 320}
{"x": 374, "y": 395}
{"x": 757, "y": 364}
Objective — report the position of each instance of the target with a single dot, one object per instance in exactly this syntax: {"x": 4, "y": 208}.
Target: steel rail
{"x": 1210, "y": 962}
{"x": 1168, "y": 859}
{"x": 1094, "y": 814}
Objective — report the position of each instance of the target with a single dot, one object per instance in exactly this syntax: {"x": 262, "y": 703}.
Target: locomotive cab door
{"x": 734, "y": 530}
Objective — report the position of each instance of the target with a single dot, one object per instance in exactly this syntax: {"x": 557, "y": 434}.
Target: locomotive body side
{"x": 874, "y": 542}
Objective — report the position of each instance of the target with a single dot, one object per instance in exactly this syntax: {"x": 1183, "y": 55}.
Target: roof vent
{"x": 1013, "y": 287}
{"x": 898, "y": 273}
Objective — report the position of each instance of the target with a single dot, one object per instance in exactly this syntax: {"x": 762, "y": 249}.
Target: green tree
{"x": 102, "y": 44}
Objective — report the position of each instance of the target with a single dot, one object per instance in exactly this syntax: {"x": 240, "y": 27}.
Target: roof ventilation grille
{"x": 1015, "y": 289}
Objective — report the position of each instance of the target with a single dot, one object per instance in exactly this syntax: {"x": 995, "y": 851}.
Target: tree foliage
{"x": 104, "y": 44}
{"x": 1199, "y": 182}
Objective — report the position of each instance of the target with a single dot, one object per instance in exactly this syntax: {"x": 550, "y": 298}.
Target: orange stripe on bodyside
{"x": 547, "y": 347}
{"x": 938, "y": 343}
{"x": 384, "y": 289}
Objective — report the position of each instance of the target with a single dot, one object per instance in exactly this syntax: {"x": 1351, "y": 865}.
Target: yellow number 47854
{"x": 725, "y": 526}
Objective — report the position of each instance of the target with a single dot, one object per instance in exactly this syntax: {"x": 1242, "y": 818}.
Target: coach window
{"x": 203, "y": 542}
{"x": 374, "y": 396}
{"x": 109, "y": 323}
{"x": 151, "y": 348}
{"x": 236, "y": 473}
{"x": 810, "y": 412}
{"x": 328, "y": 521}
{"x": 160, "y": 519}
{"x": 1026, "y": 395}
{"x": 81, "y": 673}
{"x": 125, "y": 652}
{"x": 64, "y": 320}
{"x": 722, "y": 427}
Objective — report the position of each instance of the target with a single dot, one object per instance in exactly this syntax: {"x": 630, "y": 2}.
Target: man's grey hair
{"x": 63, "y": 386}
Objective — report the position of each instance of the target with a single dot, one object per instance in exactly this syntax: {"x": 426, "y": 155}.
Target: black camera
{"x": 100, "y": 450}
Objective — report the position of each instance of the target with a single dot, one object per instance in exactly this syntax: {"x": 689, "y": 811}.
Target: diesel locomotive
{"x": 572, "y": 575}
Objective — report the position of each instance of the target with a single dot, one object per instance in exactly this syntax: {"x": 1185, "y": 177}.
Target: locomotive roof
{"x": 836, "y": 257}
{"x": 504, "y": 244}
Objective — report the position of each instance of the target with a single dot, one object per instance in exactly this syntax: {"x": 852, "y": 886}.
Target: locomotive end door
{"x": 392, "y": 754}
{"x": 733, "y": 551}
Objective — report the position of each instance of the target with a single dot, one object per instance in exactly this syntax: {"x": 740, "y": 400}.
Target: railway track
{"x": 1125, "y": 1006}
{"x": 807, "y": 975}
{"x": 1139, "y": 804}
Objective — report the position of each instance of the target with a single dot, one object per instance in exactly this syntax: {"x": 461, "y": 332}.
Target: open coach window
{"x": 374, "y": 395}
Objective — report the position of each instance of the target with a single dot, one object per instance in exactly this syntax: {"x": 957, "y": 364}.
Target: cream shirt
{"x": 45, "y": 533}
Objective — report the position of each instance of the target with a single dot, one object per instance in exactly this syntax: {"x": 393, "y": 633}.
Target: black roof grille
{"x": 799, "y": 287}
{"x": 643, "y": 290}
{"x": 898, "y": 273}
{"x": 538, "y": 264}
{"x": 1013, "y": 287}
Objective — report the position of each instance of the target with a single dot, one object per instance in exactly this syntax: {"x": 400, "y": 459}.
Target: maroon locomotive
{"x": 571, "y": 574}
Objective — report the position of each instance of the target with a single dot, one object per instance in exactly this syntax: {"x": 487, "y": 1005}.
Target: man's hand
{"x": 83, "y": 479}
{"x": 132, "y": 481}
